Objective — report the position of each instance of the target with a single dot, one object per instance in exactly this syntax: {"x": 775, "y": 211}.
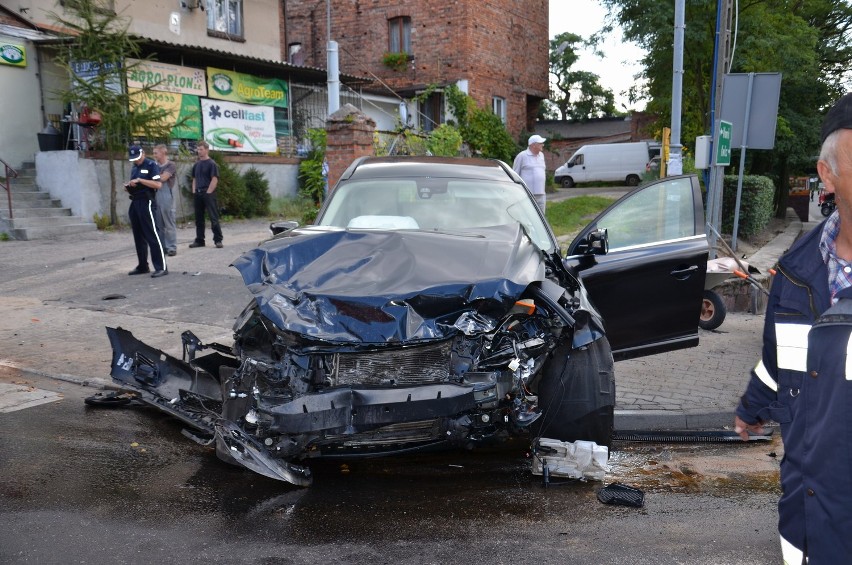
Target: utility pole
{"x": 675, "y": 162}
{"x": 333, "y": 69}
{"x": 721, "y": 62}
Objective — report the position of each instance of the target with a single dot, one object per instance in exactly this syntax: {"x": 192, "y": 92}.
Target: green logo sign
{"x": 723, "y": 143}
{"x": 12, "y": 55}
{"x": 222, "y": 84}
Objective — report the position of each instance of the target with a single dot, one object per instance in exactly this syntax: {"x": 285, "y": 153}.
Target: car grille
{"x": 394, "y": 434}
{"x": 399, "y": 367}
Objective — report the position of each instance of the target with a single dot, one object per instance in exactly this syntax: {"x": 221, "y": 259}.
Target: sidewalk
{"x": 56, "y": 297}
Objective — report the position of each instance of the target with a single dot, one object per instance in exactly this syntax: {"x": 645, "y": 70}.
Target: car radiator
{"x": 425, "y": 364}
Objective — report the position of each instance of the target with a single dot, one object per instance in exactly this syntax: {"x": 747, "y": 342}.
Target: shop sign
{"x": 249, "y": 89}
{"x": 245, "y": 128}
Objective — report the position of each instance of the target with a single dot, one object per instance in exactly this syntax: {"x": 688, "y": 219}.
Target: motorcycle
{"x": 826, "y": 203}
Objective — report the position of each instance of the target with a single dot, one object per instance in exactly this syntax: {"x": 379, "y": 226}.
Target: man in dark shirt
{"x": 205, "y": 178}
{"x": 142, "y": 187}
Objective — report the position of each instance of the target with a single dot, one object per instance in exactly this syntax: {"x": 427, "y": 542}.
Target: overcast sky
{"x": 585, "y": 17}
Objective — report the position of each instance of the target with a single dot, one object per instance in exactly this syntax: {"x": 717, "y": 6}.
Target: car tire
{"x": 632, "y": 180}
{"x": 712, "y": 311}
{"x": 576, "y": 395}
{"x": 567, "y": 182}
{"x": 826, "y": 209}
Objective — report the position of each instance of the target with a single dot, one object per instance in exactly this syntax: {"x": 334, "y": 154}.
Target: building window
{"x": 498, "y": 106}
{"x": 295, "y": 54}
{"x": 225, "y": 17}
{"x": 399, "y": 35}
{"x": 432, "y": 111}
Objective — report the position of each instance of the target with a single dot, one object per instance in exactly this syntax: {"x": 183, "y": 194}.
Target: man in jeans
{"x": 165, "y": 217}
{"x": 205, "y": 178}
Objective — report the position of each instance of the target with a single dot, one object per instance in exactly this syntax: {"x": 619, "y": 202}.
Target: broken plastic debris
{"x": 620, "y": 494}
{"x": 575, "y": 460}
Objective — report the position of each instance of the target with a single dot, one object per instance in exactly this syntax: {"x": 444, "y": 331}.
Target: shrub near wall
{"x": 756, "y": 204}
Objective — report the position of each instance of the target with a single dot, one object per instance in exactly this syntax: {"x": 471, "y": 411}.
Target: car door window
{"x": 664, "y": 211}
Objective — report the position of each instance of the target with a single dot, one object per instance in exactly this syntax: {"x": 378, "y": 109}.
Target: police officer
{"x": 804, "y": 379}
{"x": 142, "y": 187}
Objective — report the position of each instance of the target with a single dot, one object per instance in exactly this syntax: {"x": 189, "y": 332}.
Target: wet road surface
{"x": 91, "y": 485}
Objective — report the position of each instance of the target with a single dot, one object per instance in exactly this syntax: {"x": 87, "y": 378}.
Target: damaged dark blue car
{"x": 430, "y": 306}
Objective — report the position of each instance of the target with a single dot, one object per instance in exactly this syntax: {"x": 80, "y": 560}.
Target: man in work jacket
{"x": 804, "y": 379}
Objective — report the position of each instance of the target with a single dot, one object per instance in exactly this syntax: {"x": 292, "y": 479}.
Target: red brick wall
{"x": 350, "y": 135}
{"x": 499, "y": 46}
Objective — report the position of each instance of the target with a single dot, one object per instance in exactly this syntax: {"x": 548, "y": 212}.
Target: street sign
{"x": 754, "y": 117}
{"x": 723, "y": 143}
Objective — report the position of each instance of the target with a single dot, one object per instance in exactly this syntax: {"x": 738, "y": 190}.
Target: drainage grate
{"x": 687, "y": 436}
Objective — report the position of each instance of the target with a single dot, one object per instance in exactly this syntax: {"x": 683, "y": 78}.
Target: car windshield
{"x": 434, "y": 204}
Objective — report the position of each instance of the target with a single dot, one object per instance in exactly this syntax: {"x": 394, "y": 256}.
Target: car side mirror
{"x": 596, "y": 242}
{"x": 282, "y": 226}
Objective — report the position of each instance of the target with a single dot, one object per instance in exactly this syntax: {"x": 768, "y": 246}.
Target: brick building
{"x": 495, "y": 50}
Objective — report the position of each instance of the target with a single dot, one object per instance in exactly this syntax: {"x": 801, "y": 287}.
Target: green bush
{"x": 313, "y": 181}
{"x": 231, "y": 193}
{"x": 258, "y": 191}
{"x": 483, "y": 131}
{"x": 756, "y": 204}
{"x": 444, "y": 141}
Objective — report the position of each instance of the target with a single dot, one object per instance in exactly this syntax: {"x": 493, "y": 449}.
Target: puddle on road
{"x": 716, "y": 469}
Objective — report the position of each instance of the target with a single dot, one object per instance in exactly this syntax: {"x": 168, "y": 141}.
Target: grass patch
{"x": 569, "y": 216}
{"x": 291, "y": 208}
{"x": 102, "y": 222}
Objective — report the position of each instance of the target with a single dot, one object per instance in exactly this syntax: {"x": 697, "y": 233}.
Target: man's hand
{"x": 743, "y": 429}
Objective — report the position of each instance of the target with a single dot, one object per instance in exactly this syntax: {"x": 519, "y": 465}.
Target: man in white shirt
{"x": 530, "y": 165}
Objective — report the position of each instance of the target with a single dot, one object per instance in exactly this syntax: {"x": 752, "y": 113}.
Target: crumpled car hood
{"x": 386, "y": 287}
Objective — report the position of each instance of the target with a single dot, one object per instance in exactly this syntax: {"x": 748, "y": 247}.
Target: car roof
{"x": 433, "y": 167}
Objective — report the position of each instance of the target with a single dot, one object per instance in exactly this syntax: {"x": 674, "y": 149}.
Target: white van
{"x": 622, "y": 162}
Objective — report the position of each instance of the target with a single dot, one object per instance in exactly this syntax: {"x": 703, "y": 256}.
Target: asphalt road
{"x": 86, "y": 485}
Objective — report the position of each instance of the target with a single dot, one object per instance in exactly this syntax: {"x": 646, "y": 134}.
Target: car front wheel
{"x": 576, "y": 395}
{"x": 567, "y": 182}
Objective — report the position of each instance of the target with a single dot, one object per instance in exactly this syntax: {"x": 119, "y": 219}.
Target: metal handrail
{"x": 10, "y": 174}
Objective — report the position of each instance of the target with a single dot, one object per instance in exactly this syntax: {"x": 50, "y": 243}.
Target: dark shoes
{"x": 196, "y": 244}
{"x": 171, "y": 252}
{"x": 139, "y": 271}
{"x": 219, "y": 244}
{"x": 160, "y": 273}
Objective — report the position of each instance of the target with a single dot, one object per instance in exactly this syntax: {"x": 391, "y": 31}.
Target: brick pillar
{"x": 350, "y": 135}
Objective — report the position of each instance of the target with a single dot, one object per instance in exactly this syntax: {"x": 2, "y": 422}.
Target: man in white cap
{"x": 530, "y": 165}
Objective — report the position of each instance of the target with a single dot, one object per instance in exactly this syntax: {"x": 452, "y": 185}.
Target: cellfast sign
{"x": 229, "y": 126}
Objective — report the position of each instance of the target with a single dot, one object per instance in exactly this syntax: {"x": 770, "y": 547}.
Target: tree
{"x": 95, "y": 57}
{"x": 590, "y": 99}
{"x": 808, "y": 42}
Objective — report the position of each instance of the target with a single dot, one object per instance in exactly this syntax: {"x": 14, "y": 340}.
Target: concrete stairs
{"x": 36, "y": 214}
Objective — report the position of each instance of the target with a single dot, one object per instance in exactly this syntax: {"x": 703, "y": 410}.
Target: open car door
{"x": 649, "y": 285}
